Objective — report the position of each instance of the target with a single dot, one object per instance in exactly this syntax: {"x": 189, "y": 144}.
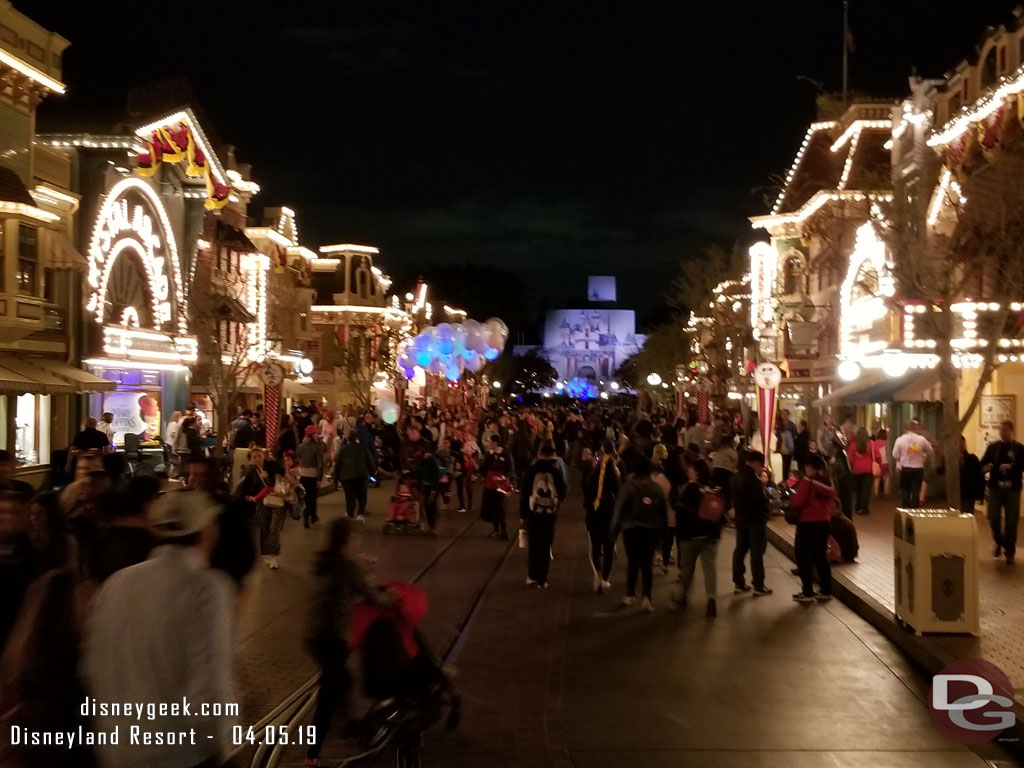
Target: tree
{"x": 528, "y": 373}
{"x": 945, "y": 251}
{"x": 364, "y": 353}
{"x": 227, "y": 340}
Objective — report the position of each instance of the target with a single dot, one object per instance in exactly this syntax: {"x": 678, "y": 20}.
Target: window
{"x": 32, "y": 422}
{"x": 793, "y": 276}
{"x": 28, "y": 258}
{"x": 988, "y": 69}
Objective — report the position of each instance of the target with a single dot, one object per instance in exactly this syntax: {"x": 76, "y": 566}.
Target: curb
{"x": 928, "y": 655}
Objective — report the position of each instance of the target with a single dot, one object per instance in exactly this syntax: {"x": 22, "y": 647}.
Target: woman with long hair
{"x": 39, "y": 685}
{"x": 813, "y": 498}
{"x": 258, "y": 489}
{"x": 641, "y": 515}
{"x": 600, "y": 488}
{"x": 864, "y": 458}
{"x": 881, "y": 444}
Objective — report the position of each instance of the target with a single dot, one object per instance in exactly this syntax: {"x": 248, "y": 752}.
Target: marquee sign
{"x": 134, "y": 272}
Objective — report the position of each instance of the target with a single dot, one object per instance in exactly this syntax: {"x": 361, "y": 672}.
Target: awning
{"x": 60, "y": 253}
{"x": 294, "y": 390}
{"x": 874, "y": 386}
{"x": 47, "y": 377}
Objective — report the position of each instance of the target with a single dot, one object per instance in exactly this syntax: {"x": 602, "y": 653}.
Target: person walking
{"x": 696, "y": 536}
{"x": 310, "y": 454}
{"x": 972, "y": 479}
{"x": 724, "y": 463}
{"x": 785, "y": 432}
{"x": 542, "y": 491}
{"x": 339, "y": 580}
{"x": 813, "y": 497}
{"x": 600, "y": 489}
{"x": 659, "y": 458}
{"x": 352, "y": 470}
{"x": 1003, "y": 462}
{"x": 750, "y": 501}
{"x": 864, "y": 461}
{"x": 259, "y": 487}
{"x": 496, "y": 468}
{"x": 641, "y": 514}
{"x": 801, "y": 448}
{"x": 176, "y": 608}
{"x": 910, "y": 452}
{"x": 881, "y": 443}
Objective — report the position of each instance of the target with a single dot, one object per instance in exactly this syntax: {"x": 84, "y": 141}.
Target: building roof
{"x": 12, "y": 189}
{"x": 846, "y": 154}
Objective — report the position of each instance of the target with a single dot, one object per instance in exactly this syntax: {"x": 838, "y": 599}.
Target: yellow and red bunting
{"x": 176, "y": 144}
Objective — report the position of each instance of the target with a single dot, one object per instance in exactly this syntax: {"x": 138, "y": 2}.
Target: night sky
{"x": 556, "y": 140}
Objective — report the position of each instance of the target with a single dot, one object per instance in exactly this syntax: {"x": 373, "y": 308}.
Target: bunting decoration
{"x": 176, "y": 144}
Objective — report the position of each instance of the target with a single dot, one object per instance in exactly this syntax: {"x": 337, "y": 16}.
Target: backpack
{"x": 543, "y": 494}
{"x": 712, "y": 506}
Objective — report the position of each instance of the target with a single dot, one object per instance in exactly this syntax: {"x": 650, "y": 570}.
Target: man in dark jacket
{"x": 1003, "y": 462}
{"x": 751, "y": 504}
{"x": 542, "y": 491}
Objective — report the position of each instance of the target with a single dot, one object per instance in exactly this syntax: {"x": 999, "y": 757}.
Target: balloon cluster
{"x": 388, "y": 409}
{"x": 580, "y": 388}
{"x": 449, "y": 349}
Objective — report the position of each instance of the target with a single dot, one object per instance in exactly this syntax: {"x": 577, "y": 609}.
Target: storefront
{"x": 137, "y": 327}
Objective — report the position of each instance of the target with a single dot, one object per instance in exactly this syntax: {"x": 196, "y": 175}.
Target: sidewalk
{"x": 867, "y": 587}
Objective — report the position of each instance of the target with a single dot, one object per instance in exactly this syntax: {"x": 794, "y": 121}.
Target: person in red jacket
{"x": 864, "y": 456}
{"x": 813, "y": 498}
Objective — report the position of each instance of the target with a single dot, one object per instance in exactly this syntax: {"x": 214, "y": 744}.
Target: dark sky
{"x": 559, "y": 139}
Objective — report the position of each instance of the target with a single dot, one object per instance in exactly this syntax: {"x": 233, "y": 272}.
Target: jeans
{"x": 640, "y": 544}
{"x": 602, "y": 547}
{"x": 540, "y": 533}
{"x": 707, "y": 551}
{"x": 812, "y": 554}
{"x": 752, "y": 539}
{"x": 844, "y": 490}
{"x": 1000, "y": 499}
{"x": 355, "y": 493}
{"x": 862, "y": 485}
{"x": 787, "y": 465}
{"x": 910, "y": 486}
{"x": 312, "y": 488}
{"x": 335, "y": 688}
{"x": 429, "y": 506}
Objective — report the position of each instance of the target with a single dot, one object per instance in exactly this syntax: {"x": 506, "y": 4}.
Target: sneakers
{"x": 606, "y": 585}
{"x": 461, "y": 509}
{"x": 646, "y": 605}
{"x": 761, "y": 591}
{"x": 822, "y": 597}
{"x": 530, "y": 582}
{"x": 361, "y": 519}
{"x": 273, "y": 564}
{"x": 629, "y": 601}
{"x": 712, "y": 610}
{"x": 597, "y": 583}
{"x": 492, "y": 535}
{"x": 803, "y": 597}
{"x": 739, "y": 589}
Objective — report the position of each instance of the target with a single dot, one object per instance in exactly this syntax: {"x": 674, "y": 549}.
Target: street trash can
{"x": 936, "y": 576}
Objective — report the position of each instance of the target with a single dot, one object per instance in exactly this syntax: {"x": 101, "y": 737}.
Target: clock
{"x": 271, "y": 374}
{"x": 767, "y": 375}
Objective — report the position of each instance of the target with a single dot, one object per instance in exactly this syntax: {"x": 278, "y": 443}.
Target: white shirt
{"x": 160, "y": 633}
{"x": 910, "y": 451}
{"x": 171, "y": 433}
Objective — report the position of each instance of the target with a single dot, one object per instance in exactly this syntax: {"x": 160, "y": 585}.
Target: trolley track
{"x": 297, "y": 708}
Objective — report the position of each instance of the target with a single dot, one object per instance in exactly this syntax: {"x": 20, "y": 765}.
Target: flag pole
{"x": 846, "y": 46}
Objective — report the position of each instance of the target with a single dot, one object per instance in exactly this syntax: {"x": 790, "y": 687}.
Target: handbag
{"x": 712, "y": 507}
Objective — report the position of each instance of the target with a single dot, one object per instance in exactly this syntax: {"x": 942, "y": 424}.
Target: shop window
{"x": 28, "y": 259}
{"x": 32, "y": 422}
{"x": 988, "y": 69}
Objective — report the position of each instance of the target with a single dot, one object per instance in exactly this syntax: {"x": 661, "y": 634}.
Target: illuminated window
{"x": 28, "y": 258}
{"x": 32, "y": 422}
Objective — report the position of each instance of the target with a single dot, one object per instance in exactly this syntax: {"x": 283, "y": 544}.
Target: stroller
{"x": 404, "y": 511}
{"x": 410, "y": 693}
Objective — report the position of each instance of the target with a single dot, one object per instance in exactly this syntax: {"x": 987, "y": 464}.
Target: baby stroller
{"x": 404, "y": 512}
{"x": 410, "y": 693}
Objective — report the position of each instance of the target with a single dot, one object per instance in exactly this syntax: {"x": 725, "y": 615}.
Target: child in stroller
{"x": 410, "y": 692}
{"x": 404, "y": 512}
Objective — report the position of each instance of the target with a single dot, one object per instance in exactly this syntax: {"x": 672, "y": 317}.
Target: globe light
{"x": 895, "y": 364}
{"x": 615, "y": 385}
{"x": 653, "y": 379}
{"x": 848, "y": 370}
{"x": 604, "y": 395}
{"x": 496, "y": 385}
{"x": 664, "y": 385}
{"x": 559, "y": 386}
{"x": 305, "y": 366}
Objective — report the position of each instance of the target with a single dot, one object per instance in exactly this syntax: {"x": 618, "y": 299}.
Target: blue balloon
{"x": 446, "y": 345}
{"x": 423, "y": 358}
{"x": 409, "y": 373}
{"x": 491, "y": 353}
{"x": 453, "y": 373}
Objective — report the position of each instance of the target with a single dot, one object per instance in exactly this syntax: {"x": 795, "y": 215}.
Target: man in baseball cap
{"x": 175, "y": 608}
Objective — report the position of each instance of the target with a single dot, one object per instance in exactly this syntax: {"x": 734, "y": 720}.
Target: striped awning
{"x": 59, "y": 253}
{"x": 47, "y": 377}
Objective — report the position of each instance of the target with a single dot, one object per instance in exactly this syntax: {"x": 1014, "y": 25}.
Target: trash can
{"x": 935, "y": 561}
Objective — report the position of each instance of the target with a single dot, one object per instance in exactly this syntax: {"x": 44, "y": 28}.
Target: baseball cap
{"x": 311, "y": 430}
{"x": 182, "y": 513}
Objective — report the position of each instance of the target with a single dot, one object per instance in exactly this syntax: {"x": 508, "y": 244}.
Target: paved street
{"x": 564, "y": 677}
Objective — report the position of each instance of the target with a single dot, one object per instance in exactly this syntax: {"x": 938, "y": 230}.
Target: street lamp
{"x": 496, "y": 385}
{"x": 615, "y": 385}
{"x": 653, "y": 379}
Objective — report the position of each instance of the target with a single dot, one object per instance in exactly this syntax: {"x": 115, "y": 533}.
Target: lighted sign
{"x": 133, "y": 221}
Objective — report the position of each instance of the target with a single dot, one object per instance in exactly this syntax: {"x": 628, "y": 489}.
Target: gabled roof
{"x": 836, "y": 156}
